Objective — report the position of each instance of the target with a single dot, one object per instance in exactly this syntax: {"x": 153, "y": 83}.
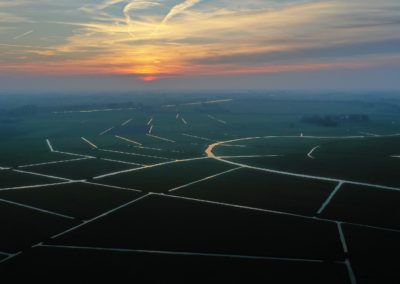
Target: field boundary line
{"x": 183, "y": 253}
{"x": 128, "y": 140}
{"x": 67, "y": 153}
{"x": 149, "y": 166}
{"x": 249, "y": 156}
{"x": 36, "y": 185}
{"x": 121, "y": 162}
{"x": 135, "y": 154}
{"x": 36, "y": 208}
{"x": 73, "y": 154}
{"x": 100, "y": 216}
{"x": 42, "y": 175}
{"x": 10, "y": 256}
{"x": 160, "y": 138}
{"x": 276, "y": 212}
{"x": 342, "y": 238}
{"x": 331, "y": 195}
{"x": 107, "y": 130}
{"x": 111, "y": 186}
{"x": 309, "y": 154}
{"x": 204, "y": 179}
{"x": 90, "y": 143}
{"x": 350, "y": 271}
{"x": 50, "y": 146}
{"x": 198, "y": 137}
{"x": 54, "y": 162}
{"x": 210, "y": 154}
{"x": 126, "y": 122}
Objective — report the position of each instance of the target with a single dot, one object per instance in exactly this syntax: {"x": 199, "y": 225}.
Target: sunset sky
{"x": 210, "y": 44}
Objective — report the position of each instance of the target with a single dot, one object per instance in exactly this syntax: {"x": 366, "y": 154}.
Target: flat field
{"x": 204, "y": 187}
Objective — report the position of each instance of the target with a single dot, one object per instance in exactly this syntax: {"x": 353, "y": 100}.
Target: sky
{"x": 122, "y": 45}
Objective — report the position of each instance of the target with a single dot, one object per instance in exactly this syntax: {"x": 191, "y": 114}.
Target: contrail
{"x": 96, "y": 8}
{"x": 16, "y": 45}
{"x": 177, "y": 9}
{"x": 136, "y": 5}
{"x": 24, "y": 34}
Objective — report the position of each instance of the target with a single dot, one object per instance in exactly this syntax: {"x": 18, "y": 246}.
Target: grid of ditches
{"x": 164, "y": 161}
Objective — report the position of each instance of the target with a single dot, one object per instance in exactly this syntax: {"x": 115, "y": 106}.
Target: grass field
{"x": 262, "y": 190}
{"x": 237, "y": 188}
{"x": 164, "y": 177}
{"x": 365, "y": 205}
{"x": 111, "y": 265}
{"x": 176, "y": 223}
{"x": 81, "y": 201}
{"x": 23, "y": 227}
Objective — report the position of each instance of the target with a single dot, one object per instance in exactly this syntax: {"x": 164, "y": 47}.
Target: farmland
{"x": 236, "y": 187}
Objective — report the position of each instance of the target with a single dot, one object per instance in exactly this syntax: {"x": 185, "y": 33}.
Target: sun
{"x": 148, "y": 78}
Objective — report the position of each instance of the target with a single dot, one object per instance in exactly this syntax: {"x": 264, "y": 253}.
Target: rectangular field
{"x": 85, "y": 169}
{"x": 18, "y": 152}
{"x": 78, "y": 200}
{"x": 366, "y": 205}
{"x": 23, "y": 227}
{"x": 162, "y": 178}
{"x": 170, "y": 268}
{"x": 381, "y": 170}
{"x": 373, "y": 254}
{"x": 263, "y": 190}
{"x": 173, "y": 224}
{"x": 9, "y": 178}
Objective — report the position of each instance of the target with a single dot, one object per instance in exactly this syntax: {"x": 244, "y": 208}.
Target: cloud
{"x": 15, "y": 45}
{"x": 12, "y": 18}
{"x": 177, "y": 9}
{"x": 391, "y": 46}
{"x": 218, "y": 36}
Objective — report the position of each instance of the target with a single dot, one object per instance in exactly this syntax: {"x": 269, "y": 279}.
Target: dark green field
{"x": 263, "y": 190}
{"x": 130, "y": 266}
{"x": 81, "y": 201}
{"x": 249, "y": 187}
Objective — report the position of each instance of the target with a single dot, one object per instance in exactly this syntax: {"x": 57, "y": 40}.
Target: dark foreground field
{"x": 224, "y": 190}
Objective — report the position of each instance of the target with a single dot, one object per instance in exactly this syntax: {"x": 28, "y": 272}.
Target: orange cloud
{"x": 288, "y": 68}
{"x": 75, "y": 68}
{"x": 182, "y": 42}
